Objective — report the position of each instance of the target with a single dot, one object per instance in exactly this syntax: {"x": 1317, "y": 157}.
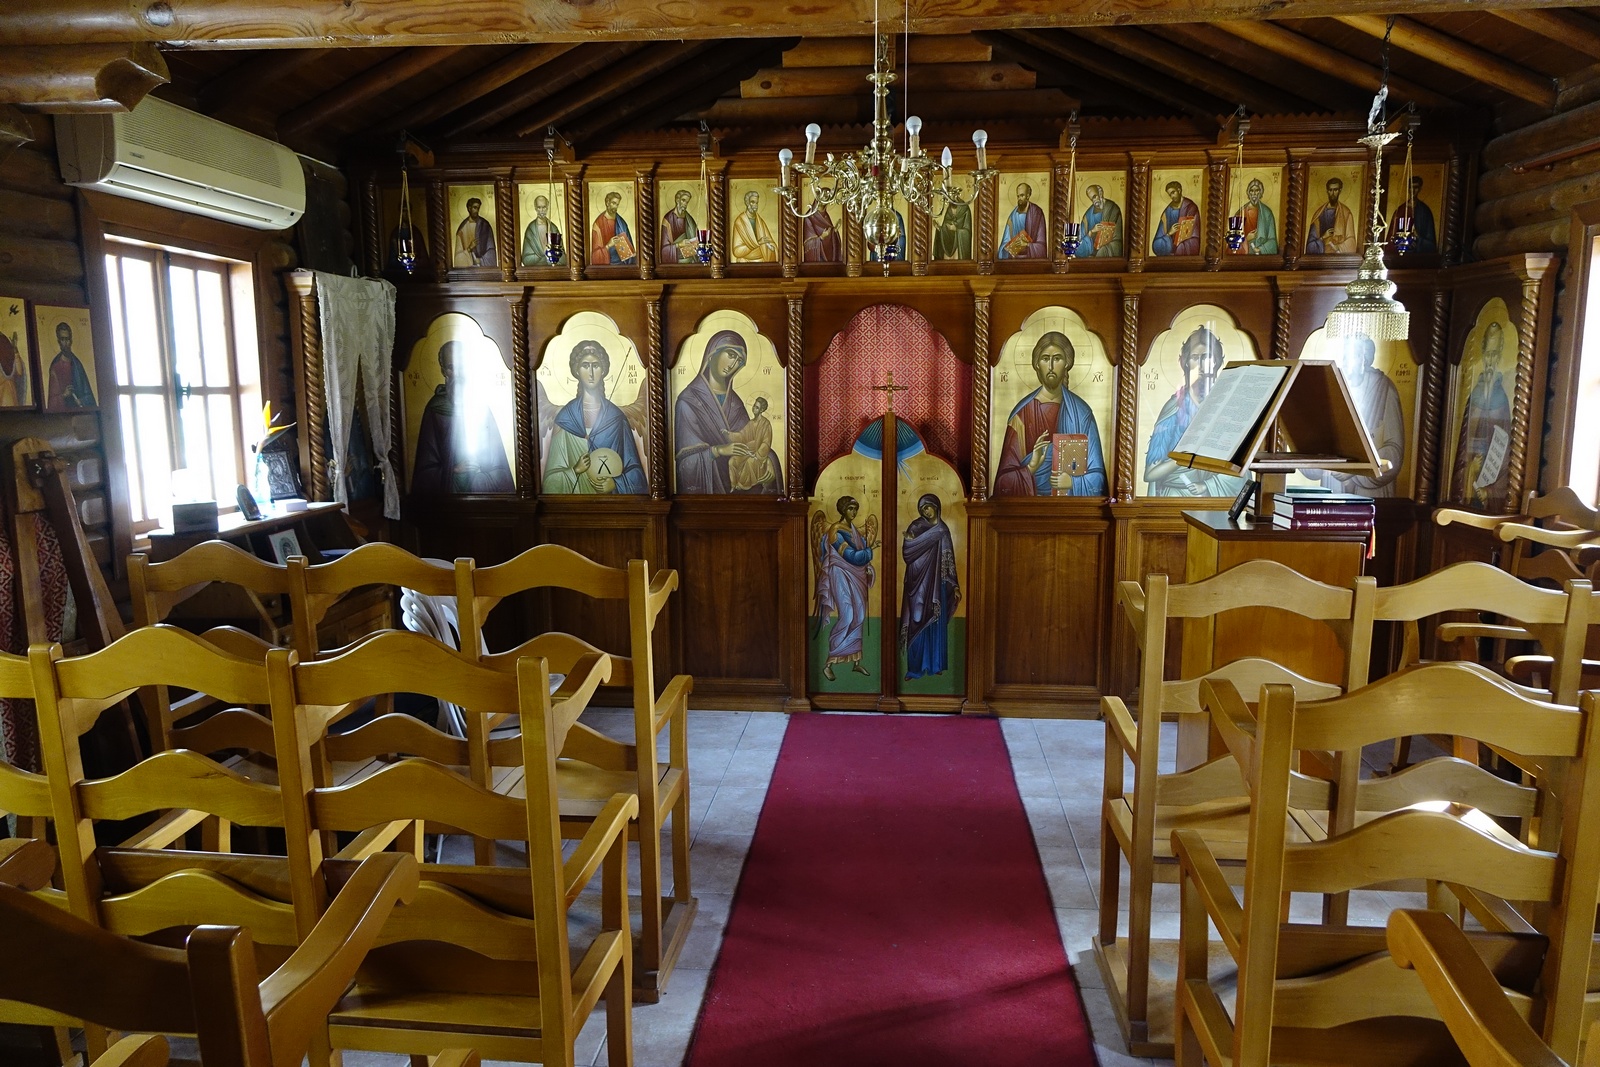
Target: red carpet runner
{"x": 892, "y": 911}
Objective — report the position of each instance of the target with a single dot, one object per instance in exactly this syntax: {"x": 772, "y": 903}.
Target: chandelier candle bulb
{"x": 946, "y": 159}
{"x": 980, "y": 141}
{"x": 914, "y": 133}
{"x": 813, "y": 131}
{"x": 785, "y": 157}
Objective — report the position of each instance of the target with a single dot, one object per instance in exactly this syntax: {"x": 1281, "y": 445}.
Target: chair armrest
{"x": 661, "y": 587}
{"x": 673, "y": 701}
{"x": 148, "y": 1051}
{"x": 609, "y": 826}
{"x": 1131, "y": 596}
{"x": 591, "y": 671}
{"x": 1445, "y": 516}
{"x": 456, "y": 1057}
{"x": 1119, "y": 725}
{"x": 1199, "y": 869}
{"x": 26, "y": 863}
{"x": 1456, "y": 631}
{"x": 297, "y": 997}
{"x": 1468, "y": 998}
{"x": 1568, "y": 539}
{"x": 1230, "y": 717}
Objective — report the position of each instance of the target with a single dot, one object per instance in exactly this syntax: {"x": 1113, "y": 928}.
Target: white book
{"x": 1231, "y": 410}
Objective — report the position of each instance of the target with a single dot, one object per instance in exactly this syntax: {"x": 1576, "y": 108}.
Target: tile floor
{"x": 1059, "y": 767}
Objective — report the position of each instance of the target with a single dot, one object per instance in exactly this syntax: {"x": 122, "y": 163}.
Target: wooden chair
{"x": 482, "y": 956}
{"x": 315, "y": 588}
{"x": 1487, "y": 1028}
{"x": 585, "y": 781}
{"x": 1326, "y": 992}
{"x": 59, "y": 968}
{"x": 1137, "y": 824}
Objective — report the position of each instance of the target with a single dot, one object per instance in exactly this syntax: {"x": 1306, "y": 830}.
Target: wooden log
{"x": 1457, "y": 55}
{"x": 16, "y": 130}
{"x": 502, "y": 72}
{"x": 646, "y": 65}
{"x": 849, "y": 81}
{"x": 1498, "y": 184}
{"x": 29, "y": 215}
{"x": 40, "y": 259}
{"x": 1333, "y": 62}
{"x": 1288, "y": 75}
{"x": 363, "y": 87}
{"x": 1093, "y": 91}
{"x": 1555, "y": 198}
{"x": 407, "y": 23}
{"x": 33, "y": 170}
{"x": 857, "y": 51}
{"x": 832, "y": 110}
{"x": 1557, "y": 131}
{"x": 80, "y": 78}
{"x": 1536, "y": 237}
{"x": 1564, "y": 27}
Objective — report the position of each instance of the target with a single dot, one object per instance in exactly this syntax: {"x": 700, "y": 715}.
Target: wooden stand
{"x": 1305, "y": 646}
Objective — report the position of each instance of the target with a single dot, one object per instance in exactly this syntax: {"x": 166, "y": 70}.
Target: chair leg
{"x": 1193, "y": 963}
{"x": 649, "y": 887}
{"x": 1110, "y": 883}
{"x": 1402, "y": 754}
{"x": 1139, "y": 905}
{"x": 680, "y": 846}
{"x": 619, "y": 1014}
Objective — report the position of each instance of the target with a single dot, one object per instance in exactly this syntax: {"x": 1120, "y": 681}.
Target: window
{"x": 188, "y": 388}
{"x": 1583, "y": 460}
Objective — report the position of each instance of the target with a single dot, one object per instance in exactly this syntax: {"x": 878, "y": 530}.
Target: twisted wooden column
{"x": 577, "y": 232}
{"x": 1522, "y": 401}
{"x": 440, "y": 227}
{"x": 919, "y": 242}
{"x": 376, "y": 260}
{"x": 644, "y": 189}
{"x": 794, "y": 397}
{"x": 1127, "y": 397}
{"x": 789, "y": 253}
{"x": 655, "y": 381}
{"x": 505, "y": 227}
{"x": 987, "y": 204}
{"x": 1282, "y": 320}
{"x": 1136, "y": 223}
{"x": 1294, "y": 221}
{"x": 1451, "y": 209}
{"x": 853, "y": 241}
{"x": 1430, "y": 480}
{"x": 718, "y": 224}
{"x": 1061, "y": 211}
{"x": 521, "y": 379}
{"x": 1217, "y": 209}
{"x": 980, "y": 396}
{"x": 316, "y": 399}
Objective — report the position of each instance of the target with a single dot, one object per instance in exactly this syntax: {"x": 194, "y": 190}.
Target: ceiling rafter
{"x": 529, "y": 89}
{"x": 1334, "y": 62}
{"x": 247, "y": 81}
{"x": 1091, "y": 91}
{"x": 1565, "y": 27}
{"x": 363, "y": 87}
{"x": 1458, "y": 55}
{"x": 1328, "y": 93}
{"x": 502, "y": 72}
{"x": 1204, "y": 74}
{"x": 1168, "y": 91}
{"x": 652, "y": 62}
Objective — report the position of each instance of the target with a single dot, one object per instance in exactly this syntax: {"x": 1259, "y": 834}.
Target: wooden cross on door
{"x": 888, "y": 388}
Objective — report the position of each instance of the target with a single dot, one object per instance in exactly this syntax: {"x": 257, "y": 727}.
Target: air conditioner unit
{"x": 164, "y": 154}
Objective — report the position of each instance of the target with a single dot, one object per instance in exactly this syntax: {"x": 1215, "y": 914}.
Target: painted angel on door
{"x": 843, "y": 558}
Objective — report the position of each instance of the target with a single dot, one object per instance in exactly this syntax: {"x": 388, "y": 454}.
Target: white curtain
{"x": 357, "y": 346}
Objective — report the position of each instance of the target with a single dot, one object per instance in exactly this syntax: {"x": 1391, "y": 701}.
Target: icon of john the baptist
{"x": 720, "y": 447}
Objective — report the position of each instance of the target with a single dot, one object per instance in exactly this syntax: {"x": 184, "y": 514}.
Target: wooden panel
{"x": 741, "y": 569}
{"x": 1151, "y": 539}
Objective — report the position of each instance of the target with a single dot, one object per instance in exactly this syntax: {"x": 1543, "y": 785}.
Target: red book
{"x": 1321, "y": 523}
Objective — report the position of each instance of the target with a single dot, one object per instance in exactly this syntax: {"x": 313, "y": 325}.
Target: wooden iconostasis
{"x": 917, "y": 488}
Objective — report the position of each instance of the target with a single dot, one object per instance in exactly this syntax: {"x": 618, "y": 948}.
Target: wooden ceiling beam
{"x": 363, "y": 87}
{"x": 410, "y": 23}
{"x": 1331, "y": 94}
{"x": 669, "y": 98}
{"x": 1076, "y": 51}
{"x": 529, "y": 89}
{"x": 248, "y": 81}
{"x": 1204, "y": 74}
{"x": 457, "y": 96}
{"x": 1333, "y": 62}
{"x": 651, "y": 62}
{"x": 1564, "y": 27}
{"x": 850, "y": 81}
{"x": 814, "y": 52}
{"x": 1092, "y": 91}
{"x": 78, "y": 78}
{"x": 844, "y": 110}
{"x": 1459, "y": 56}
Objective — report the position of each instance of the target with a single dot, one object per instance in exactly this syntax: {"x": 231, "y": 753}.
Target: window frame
{"x": 1583, "y": 265}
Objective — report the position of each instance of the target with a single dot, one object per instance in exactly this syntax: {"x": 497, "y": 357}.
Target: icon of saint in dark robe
{"x": 720, "y": 447}
{"x": 931, "y": 591}
{"x": 459, "y": 449}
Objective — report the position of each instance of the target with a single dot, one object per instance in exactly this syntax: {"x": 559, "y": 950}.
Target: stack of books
{"x": 1323, "y": 511}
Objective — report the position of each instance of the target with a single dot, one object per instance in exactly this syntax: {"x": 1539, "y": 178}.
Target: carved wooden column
{"x": 376, "y": 260}
{"x": 1451, "y": 224}
{"x": 1434, "y": 369}
{"x": 656, "y": 382}
{"x": 1127, "y": 396}
{"x": 316, "y": 413}
{"x": 854, "y": 253}
{"x": 1522, "y": 399}
{"x": 980, "y": 395}
{"x": 1294, "y": 215}
{"x": 789, "y": 237}
{"x": 1217, "y": 208}
{"x": 1061, "y": 211}
{"x": 577, "y": 231}
{"x": 440, "y": 227}
{"x": 505, "y": 227}
{"x": 644, "y": 191}
{"x": 521, "y": 378}
{"x": 718, "y": 224}
{"x": 794, "y": 399}
{"x": 919, "y": 242}
{"x": 984, "y": 222}
{"x": 1282, "y": 315}
{"x": 1135, "y": 222}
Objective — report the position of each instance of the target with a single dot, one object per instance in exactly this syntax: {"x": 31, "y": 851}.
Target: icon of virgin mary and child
{"x": 721, "y": 446}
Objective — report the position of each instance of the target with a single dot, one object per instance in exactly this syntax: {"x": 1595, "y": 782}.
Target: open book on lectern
{"x": 1308, "y": 402}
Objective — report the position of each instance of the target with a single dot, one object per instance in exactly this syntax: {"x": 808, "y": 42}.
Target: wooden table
{"x": 1217, "y": 543}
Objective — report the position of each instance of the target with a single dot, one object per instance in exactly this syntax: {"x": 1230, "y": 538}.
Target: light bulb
{"x": 980, "y": 141}
{"x": 813, "y": 131}
{"x": 914, "y": 125}
{"x": 945, "y": 158}
{"x": 914, "y": 135}
{"x": 785, "y": 157}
